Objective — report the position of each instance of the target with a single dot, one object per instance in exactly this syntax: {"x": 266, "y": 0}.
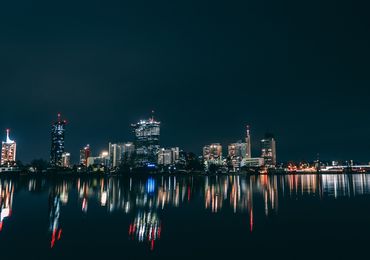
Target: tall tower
{"x": 147, "y": 134}
{"x": 248, "y": 144}
{"x": 8, "y": 150}
{"x": 57, "y": 142}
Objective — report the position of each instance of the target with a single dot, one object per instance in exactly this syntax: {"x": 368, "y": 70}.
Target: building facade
{"x": 212, "y": 154}
{"x": 8, "y": 151}
{"x": 85, "y": 153}
{"x": 115, "y": 154}
{"x": 147, "y": 133}
{"x": 57, "y": 142}
{"x": 66, "y": 159}
{"x": 168, "y": 156}
{"x": 128, "y": 153}
{"x": 268, "y": 150}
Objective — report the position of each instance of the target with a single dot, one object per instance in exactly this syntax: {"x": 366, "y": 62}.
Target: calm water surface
{"x": 163, "y": 217}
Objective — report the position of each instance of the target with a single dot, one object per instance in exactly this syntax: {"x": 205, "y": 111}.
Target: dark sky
{"x": 299, "y": 69}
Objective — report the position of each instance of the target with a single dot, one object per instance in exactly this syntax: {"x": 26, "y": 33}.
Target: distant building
{"x": 268, "y": 150}
{"x": 84, "y": 154}
{"x": 238, "y": 149}
{"x": 147, "y": 133}
{"x": 8, "y": 150}
{"x": 168, "y": 156}
{"x": 248, "y": 143}
{"x": 252, "y": 162}
{"x": 115, "y": 154}
{"x": 128, "y": 153}
{"x": 57, "y": 142}
{"x": 102, "y": 159}
{"x": 236, "y": 153}
{"x": 212, "y": 154}
{"x": 66, "y": 159}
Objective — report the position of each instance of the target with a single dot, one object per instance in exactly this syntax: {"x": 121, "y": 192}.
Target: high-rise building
{"x": 248, "y": 144}
{"x": 66, "y": 160}
{"x": 84, "y": 154}
{"x": 57, "y": 142}
{"x": 128, "y": 152}
{"x": 268, "y": 150}
{"x": 168, "y": 156}
{"x": 147, "y": 134}
{"x": 8, "y": 150}
{"x": 115, "y": 154}
{"x": 236, "y": 153}
{"x": 212, "y": 153}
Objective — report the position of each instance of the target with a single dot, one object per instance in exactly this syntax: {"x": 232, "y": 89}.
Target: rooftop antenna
{"x": 152, "y": 115}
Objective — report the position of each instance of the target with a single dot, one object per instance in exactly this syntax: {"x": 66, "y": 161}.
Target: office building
{"x": 57, "y": 142}
{"x": 252, "y": 162}
{"x": 268, "y": 150}
{"x": 8, "y": 151}
{"x": 84, "y": 154}
{"x": 115, "y": 154}
{"x": 212, "y": 154}
{"x": 66, "y": 159}
{"x": 147, "y": 133}
{"x": 169, "y": 156}
{"x": 128, "y": 153}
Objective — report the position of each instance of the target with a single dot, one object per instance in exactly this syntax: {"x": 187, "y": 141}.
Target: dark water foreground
{"x": 192, "y": 217}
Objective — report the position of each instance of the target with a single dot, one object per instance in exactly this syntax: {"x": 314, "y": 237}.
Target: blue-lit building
{"x": 147, "y": 134}
{"x": 57, "y": 142}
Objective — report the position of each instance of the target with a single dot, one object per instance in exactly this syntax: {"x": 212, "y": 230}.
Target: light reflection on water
{"x": 145, "y": 198}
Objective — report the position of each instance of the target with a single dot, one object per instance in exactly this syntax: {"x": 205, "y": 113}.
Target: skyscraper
{"x": 57, "y": 142}
{"x": 128, "y": 153}
{"x": 115, "y": 154}
{"x": 268, "y": 150}
{"x": 147, "y": 134}
{"x": 84, "y": 155}
{"x": 8, "y": 150}
{"x": 248, "y": 144}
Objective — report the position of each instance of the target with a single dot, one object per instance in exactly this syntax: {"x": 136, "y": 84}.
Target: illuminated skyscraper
{"x": 115, "y": 154}
{"x": 128, "y": 152}
{"x": 268, "y": 150}
{"x": 84, "y": 154}
{"x": 57, "y": 142}
{"x": 8, "y": 150}
{"x": 248, "y": 144}
{"x": 147, "y": 134}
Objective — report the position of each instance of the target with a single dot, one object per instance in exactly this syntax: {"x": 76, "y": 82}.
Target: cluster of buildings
{"x": 145, "y": 151}
{"x": 239, "y": 154}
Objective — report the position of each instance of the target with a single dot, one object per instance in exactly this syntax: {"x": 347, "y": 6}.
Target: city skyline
{"x": 205, "y": 68}
{"x": 256, "y": 146}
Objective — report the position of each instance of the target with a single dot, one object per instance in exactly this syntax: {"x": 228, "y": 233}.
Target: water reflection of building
{"x": 146, "y": 227}
{"x": 6, "y": 201}
{"x": 146, "y": 198}
{"x": 54, "y": 217}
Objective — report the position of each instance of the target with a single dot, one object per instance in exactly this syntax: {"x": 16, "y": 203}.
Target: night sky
{"x": 298, "y": 69}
